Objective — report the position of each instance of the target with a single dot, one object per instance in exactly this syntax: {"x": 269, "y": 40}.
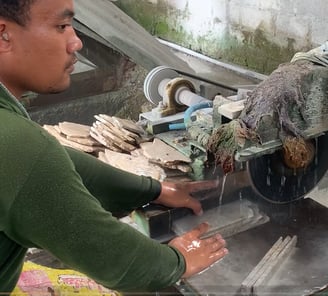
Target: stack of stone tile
{"x": 123, "y": 144}
{"x": 136, "y": 164}
{"x": 75, "y": 135}
{"x": 121, "y": 137}
{"x": 116, "y": 134}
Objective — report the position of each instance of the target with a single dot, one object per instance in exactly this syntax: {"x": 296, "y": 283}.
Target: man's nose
{"x": 75, "y": 44}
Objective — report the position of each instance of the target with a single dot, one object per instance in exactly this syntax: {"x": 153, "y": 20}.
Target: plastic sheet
{"x": 38, "y": 280}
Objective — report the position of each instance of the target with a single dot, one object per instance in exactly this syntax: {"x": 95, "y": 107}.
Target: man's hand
{"x": 199, "y": 253}
{"x": 177, "y": 195}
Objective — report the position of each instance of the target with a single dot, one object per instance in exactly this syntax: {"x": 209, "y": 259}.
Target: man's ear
{"x": 5, "y": 43}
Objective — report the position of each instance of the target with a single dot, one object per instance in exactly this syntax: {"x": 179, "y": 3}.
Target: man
{"x": 60, "y": 199}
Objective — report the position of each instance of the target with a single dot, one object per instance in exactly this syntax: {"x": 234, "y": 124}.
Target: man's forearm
{"x": 116, "y": 189}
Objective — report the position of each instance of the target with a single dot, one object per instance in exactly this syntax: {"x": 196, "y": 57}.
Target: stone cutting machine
{"x": 176, "y": 101}
{"x": 259, "y": 204}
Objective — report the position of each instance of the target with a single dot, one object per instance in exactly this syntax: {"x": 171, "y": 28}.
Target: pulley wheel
{"x": 153, "y": 80}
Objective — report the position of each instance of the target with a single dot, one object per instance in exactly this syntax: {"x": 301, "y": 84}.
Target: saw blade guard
{"x": 272, "y": 180}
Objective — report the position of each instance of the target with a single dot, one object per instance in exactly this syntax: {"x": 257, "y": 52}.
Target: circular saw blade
{"x": 272, "y": 180}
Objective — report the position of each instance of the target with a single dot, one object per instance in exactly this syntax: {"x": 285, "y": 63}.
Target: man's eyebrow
{"x": 67, "y": 13}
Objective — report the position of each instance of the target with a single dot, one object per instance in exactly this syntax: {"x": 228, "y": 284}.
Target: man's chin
{"x": 57, "y": 89}
{"x": 53, "y": 92}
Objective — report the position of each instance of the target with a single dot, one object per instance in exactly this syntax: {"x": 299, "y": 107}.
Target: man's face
{"x": 43, "y": 52}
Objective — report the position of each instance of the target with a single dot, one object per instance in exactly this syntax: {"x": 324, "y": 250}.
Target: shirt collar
{"x": 9, "y": 101}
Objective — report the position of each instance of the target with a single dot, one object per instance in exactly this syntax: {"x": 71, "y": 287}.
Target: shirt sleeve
{"x": 116, "y": 189}
{"x": 56, "y": 212}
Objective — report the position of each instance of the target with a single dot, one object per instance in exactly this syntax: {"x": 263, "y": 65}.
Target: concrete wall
{"x": 257, "y": 34}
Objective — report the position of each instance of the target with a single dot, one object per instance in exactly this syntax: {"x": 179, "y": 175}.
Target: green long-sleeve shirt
{"x": 61, "y": 200}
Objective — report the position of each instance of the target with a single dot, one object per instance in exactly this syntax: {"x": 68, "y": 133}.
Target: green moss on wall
{"x": 150, "y": 16}
{"x": 252, "y": 49}
{"x": 159, "y": 19}
{"x": 255, "y": 51}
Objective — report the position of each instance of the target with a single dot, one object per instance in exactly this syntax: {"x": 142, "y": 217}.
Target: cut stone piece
{"x": 159, "y": 151}
{"x": 138, "y": 165}
{"x": 74, "y": 129}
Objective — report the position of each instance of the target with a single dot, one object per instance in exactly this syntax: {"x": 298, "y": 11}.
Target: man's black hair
{"x": 16, "y": 10}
